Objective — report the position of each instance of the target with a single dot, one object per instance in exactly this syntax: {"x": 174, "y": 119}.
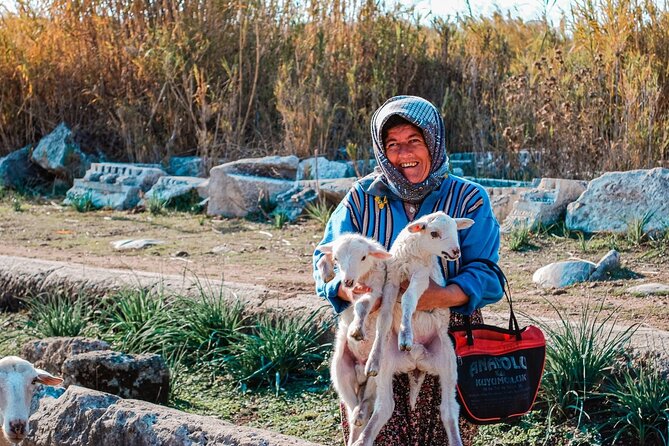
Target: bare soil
{"x": 257, "y": 253}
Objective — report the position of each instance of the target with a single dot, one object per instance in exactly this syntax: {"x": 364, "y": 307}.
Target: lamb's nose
{"x": 456, "y": 253}
{"x": 348, "y": 283}
{"x": 18, "y": 428}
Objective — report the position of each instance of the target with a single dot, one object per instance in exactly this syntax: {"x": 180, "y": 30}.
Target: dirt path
{"x": 280, "y": 259}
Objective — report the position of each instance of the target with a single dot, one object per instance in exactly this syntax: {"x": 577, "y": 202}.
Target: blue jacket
{"x": 370, "y": 212}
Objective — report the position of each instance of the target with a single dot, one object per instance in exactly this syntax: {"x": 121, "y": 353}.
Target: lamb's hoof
{"x": 357, "y": 335}
{"x": 371, "y": 371}
{"x": 405, "y": 347}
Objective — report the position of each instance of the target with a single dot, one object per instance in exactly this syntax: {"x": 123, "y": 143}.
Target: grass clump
{"x": 276, "y": 348}
{"x": 519, "y": 239}
{"x": 279, "y": 220}
{"x": 578, "y": 358}
{"x": 638, "y": 405}
{"x": 141, "y": 321}
{"x": 319, "y": 211}
{"x": 82, "y": 202}
{"x": 636, "y": 234}
{"x": 58, "y": 314}
{"x": 156, "y": 205}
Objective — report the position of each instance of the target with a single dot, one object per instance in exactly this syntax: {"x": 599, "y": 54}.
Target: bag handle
{"x": 513, "y": 322}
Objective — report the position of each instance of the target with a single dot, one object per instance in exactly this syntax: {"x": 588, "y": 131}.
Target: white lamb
{"x": 361, "y": 261}
{"x": 18, "y": 379}
{"x": 415, "y": 258}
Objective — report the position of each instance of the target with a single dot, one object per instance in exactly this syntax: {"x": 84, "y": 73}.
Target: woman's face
{"x": 407, "y": 152}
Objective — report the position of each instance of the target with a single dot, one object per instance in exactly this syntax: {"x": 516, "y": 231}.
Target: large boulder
{"x": 50, "y": 353}
{"x": 171, "y": 189}
{"x": 569, "y": 272}
{"x": 616, "y": 199}
{"x": 323, "y": 169}
{"x": 239, "y": 195}
{"x": 145, "y": 377}
{"x": 59, "y": 154}
{"x": 17, "y": 171}
{"x": 276, "y": 167}
{"x": 82, "y": 417}
{"x": 543, "y": 205}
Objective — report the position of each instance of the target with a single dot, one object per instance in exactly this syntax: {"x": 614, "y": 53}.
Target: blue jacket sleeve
{"x": 481, "y": 240}
{"x": 341, "y": 221}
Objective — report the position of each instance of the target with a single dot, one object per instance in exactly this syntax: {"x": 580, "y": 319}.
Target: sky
{"x": 527, "y": 9}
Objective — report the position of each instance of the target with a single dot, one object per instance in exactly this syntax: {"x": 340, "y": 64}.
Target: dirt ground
{"x": 257, "y": 253}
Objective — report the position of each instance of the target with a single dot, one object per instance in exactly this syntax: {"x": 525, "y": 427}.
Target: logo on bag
{"x": 500, "y": 367}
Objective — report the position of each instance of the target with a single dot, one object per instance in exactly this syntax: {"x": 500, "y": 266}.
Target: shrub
{"x": 156, "y": 205}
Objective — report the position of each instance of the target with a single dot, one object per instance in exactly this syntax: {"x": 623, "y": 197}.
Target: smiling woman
{"x": 406, "y": 149}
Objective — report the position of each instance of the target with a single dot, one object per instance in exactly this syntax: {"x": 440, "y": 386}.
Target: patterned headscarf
{"x": 425, "y": 116}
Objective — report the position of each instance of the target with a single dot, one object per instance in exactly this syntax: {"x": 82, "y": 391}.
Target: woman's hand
{"x": 350, "y": 294}
{"x": 437, "y": 296}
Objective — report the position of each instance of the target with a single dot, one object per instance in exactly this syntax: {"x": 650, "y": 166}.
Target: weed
{"x": 319, "y": 211}
{"x": 82, "y": 202}
{"x": 140, "y": 321}
{"x": 636, "y": 234}
{"x": 582, "y": 241}
{"x": 156, "y": 205}
{"x": 279, "y": 219}
{"x": 519, "y": 239}
{"x": 277, "y": 348}
{"x": 578, "y": 358}
{"x": 638, "y": 407}
{"x": 58, "y": 314}
{"x": 17, "y": 203}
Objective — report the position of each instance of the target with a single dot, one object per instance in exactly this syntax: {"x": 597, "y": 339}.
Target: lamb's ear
{"x": 326, "y": 248}
{"x": 381, "y": 254}
{"x": 416, "y": 227}
{"x": 464, "y": 223}
{"x": 47, "y": 378}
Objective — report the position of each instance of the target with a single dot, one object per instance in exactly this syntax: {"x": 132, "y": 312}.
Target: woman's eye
{"x": 435, "y": 234}
{"x": 363, "y": 258}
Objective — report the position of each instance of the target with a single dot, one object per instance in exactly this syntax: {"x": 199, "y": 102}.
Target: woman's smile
{"x": 407, "y": 152}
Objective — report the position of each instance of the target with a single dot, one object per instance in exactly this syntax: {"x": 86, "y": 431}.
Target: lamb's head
{"x": 355, "y": 256}
{"x": 439, "y": 234}
{"x": 18, "y": 379}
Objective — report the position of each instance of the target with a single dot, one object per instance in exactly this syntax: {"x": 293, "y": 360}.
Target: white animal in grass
{"x": 18, "y": 379}
{"x": 361, "y": 261}
{"x": 423, "y": 334}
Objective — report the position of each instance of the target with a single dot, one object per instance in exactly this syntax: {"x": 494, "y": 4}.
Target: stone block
{"x": 50, "y": 353}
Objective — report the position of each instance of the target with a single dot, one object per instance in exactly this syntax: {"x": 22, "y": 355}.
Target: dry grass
{"x": 144, "y": 81}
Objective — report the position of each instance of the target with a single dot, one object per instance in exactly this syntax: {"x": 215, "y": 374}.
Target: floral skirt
{"x": 421, "y": 426}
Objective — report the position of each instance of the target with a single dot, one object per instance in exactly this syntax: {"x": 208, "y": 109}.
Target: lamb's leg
{"x": 361, "y": 309}
{"x": 384, "y": 324}
{"x": 448, "y": 377}
{"x": 420, "y": 280}
{"x": 366, "y": 396}
{"x": 383, "y": 407}
{"x": 342, "y": 372}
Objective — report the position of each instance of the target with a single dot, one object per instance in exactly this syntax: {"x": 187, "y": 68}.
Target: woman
{"x": 412, "y": 180}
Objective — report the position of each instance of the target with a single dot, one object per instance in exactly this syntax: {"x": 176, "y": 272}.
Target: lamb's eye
{"x": 363, "y": 258}
{"x": 435, "y": 234}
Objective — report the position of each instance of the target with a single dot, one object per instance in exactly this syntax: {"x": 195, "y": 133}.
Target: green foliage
{"x": 582, "y": 241}
{"x": 636, "y": 235}
{"x": 17, "y": 203}
{"x": 277, "y": 348}
{"x": 82, "y": 202}
{"x": 279, "y": 219}
{"x": 140, "y": 321}
{"x": 58, "y": 314}
{"x": 638, "y": 406}
{"x": 319, "y": 211}
{"x": 211, "y": 323}
{"x": 578, "y": 358}
{"x": 519, "y": 239}
{"x": 156, "y": 205}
